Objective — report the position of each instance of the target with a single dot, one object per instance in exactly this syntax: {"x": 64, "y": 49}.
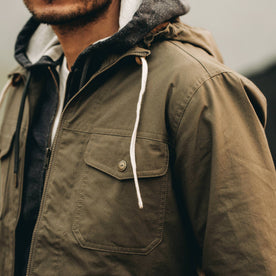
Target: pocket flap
{"x": 110, "y": 154}
{"x": 6, "y": 138}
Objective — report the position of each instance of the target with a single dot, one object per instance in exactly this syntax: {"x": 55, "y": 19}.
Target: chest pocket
{"x": 6, "y": 139}
{"x": 107, "y": 216}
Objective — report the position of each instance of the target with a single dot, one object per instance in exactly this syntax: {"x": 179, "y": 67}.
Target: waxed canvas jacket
{"x": 206, "y": 176}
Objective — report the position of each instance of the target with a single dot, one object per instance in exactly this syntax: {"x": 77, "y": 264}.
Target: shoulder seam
{"x": 183, "y": 50}
{"x": 194, "y": 92}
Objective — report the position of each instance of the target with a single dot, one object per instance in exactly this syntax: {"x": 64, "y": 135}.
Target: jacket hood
{"x": 38, "y": 45}
{"x": 179, "y": 31}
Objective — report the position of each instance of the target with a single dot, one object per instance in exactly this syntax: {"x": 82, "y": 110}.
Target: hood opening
{"x": 137, "y": 18}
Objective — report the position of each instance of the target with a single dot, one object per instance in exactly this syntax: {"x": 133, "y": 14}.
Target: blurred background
{"x": 244, "y": 31}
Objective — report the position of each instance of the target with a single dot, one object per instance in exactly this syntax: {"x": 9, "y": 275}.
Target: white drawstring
{"x": 134, "y": 133}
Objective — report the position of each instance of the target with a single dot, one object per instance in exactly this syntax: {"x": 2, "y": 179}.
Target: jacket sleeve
{"x": 227, "y": 176}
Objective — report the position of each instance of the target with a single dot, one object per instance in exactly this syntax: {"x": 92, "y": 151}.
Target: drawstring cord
{"x": 140, "y": 61}
{"x": 18, "y": 128}
{"x": 134, "y": 133}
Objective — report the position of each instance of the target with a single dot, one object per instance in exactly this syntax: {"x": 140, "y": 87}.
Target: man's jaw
{"x": 60, "y": 12}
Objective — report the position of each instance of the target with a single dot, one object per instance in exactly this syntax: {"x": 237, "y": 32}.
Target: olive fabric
{"x": 205, "y": 172}
{"x": 37, "y": 48}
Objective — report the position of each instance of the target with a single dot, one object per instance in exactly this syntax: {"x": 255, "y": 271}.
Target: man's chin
{"x": 78, "y": 17}
{"x": 53, "y": 19}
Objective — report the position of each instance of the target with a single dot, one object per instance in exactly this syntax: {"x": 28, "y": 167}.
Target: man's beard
{"x": 75, "y": 18}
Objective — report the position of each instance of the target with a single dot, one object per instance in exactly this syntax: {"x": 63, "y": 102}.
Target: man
{"x": 127, "y": 148}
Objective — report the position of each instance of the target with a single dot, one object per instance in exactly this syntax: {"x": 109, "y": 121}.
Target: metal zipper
{"x": 57, "y": 89}
{"x": 134, "y": 53}
{"x": 49, "y": 147}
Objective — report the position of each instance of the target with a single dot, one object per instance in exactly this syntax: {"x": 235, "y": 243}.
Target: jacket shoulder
{"x": 196, "y": 74}
{"x": 191, "y": 60}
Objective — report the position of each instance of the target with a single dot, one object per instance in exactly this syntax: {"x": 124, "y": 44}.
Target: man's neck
{"x": 75, "y": 38}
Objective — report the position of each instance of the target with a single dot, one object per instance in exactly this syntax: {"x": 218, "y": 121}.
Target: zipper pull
{"x": 47, "y": 158}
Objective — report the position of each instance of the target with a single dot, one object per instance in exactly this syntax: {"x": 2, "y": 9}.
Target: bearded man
{"x": 128, "y": 148}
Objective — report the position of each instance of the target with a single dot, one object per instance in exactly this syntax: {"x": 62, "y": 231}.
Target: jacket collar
{"x": 37, "y": 45}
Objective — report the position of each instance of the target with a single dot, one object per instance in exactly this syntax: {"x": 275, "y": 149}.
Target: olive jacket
{"x": 205, "y": 173}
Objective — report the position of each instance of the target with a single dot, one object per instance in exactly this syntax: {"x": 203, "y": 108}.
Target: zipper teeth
{"x": 53, "y": 76}
{"x": 54, "y": 145}
{"x": 53, "y": 122}
{"x": 49, "y": 162}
